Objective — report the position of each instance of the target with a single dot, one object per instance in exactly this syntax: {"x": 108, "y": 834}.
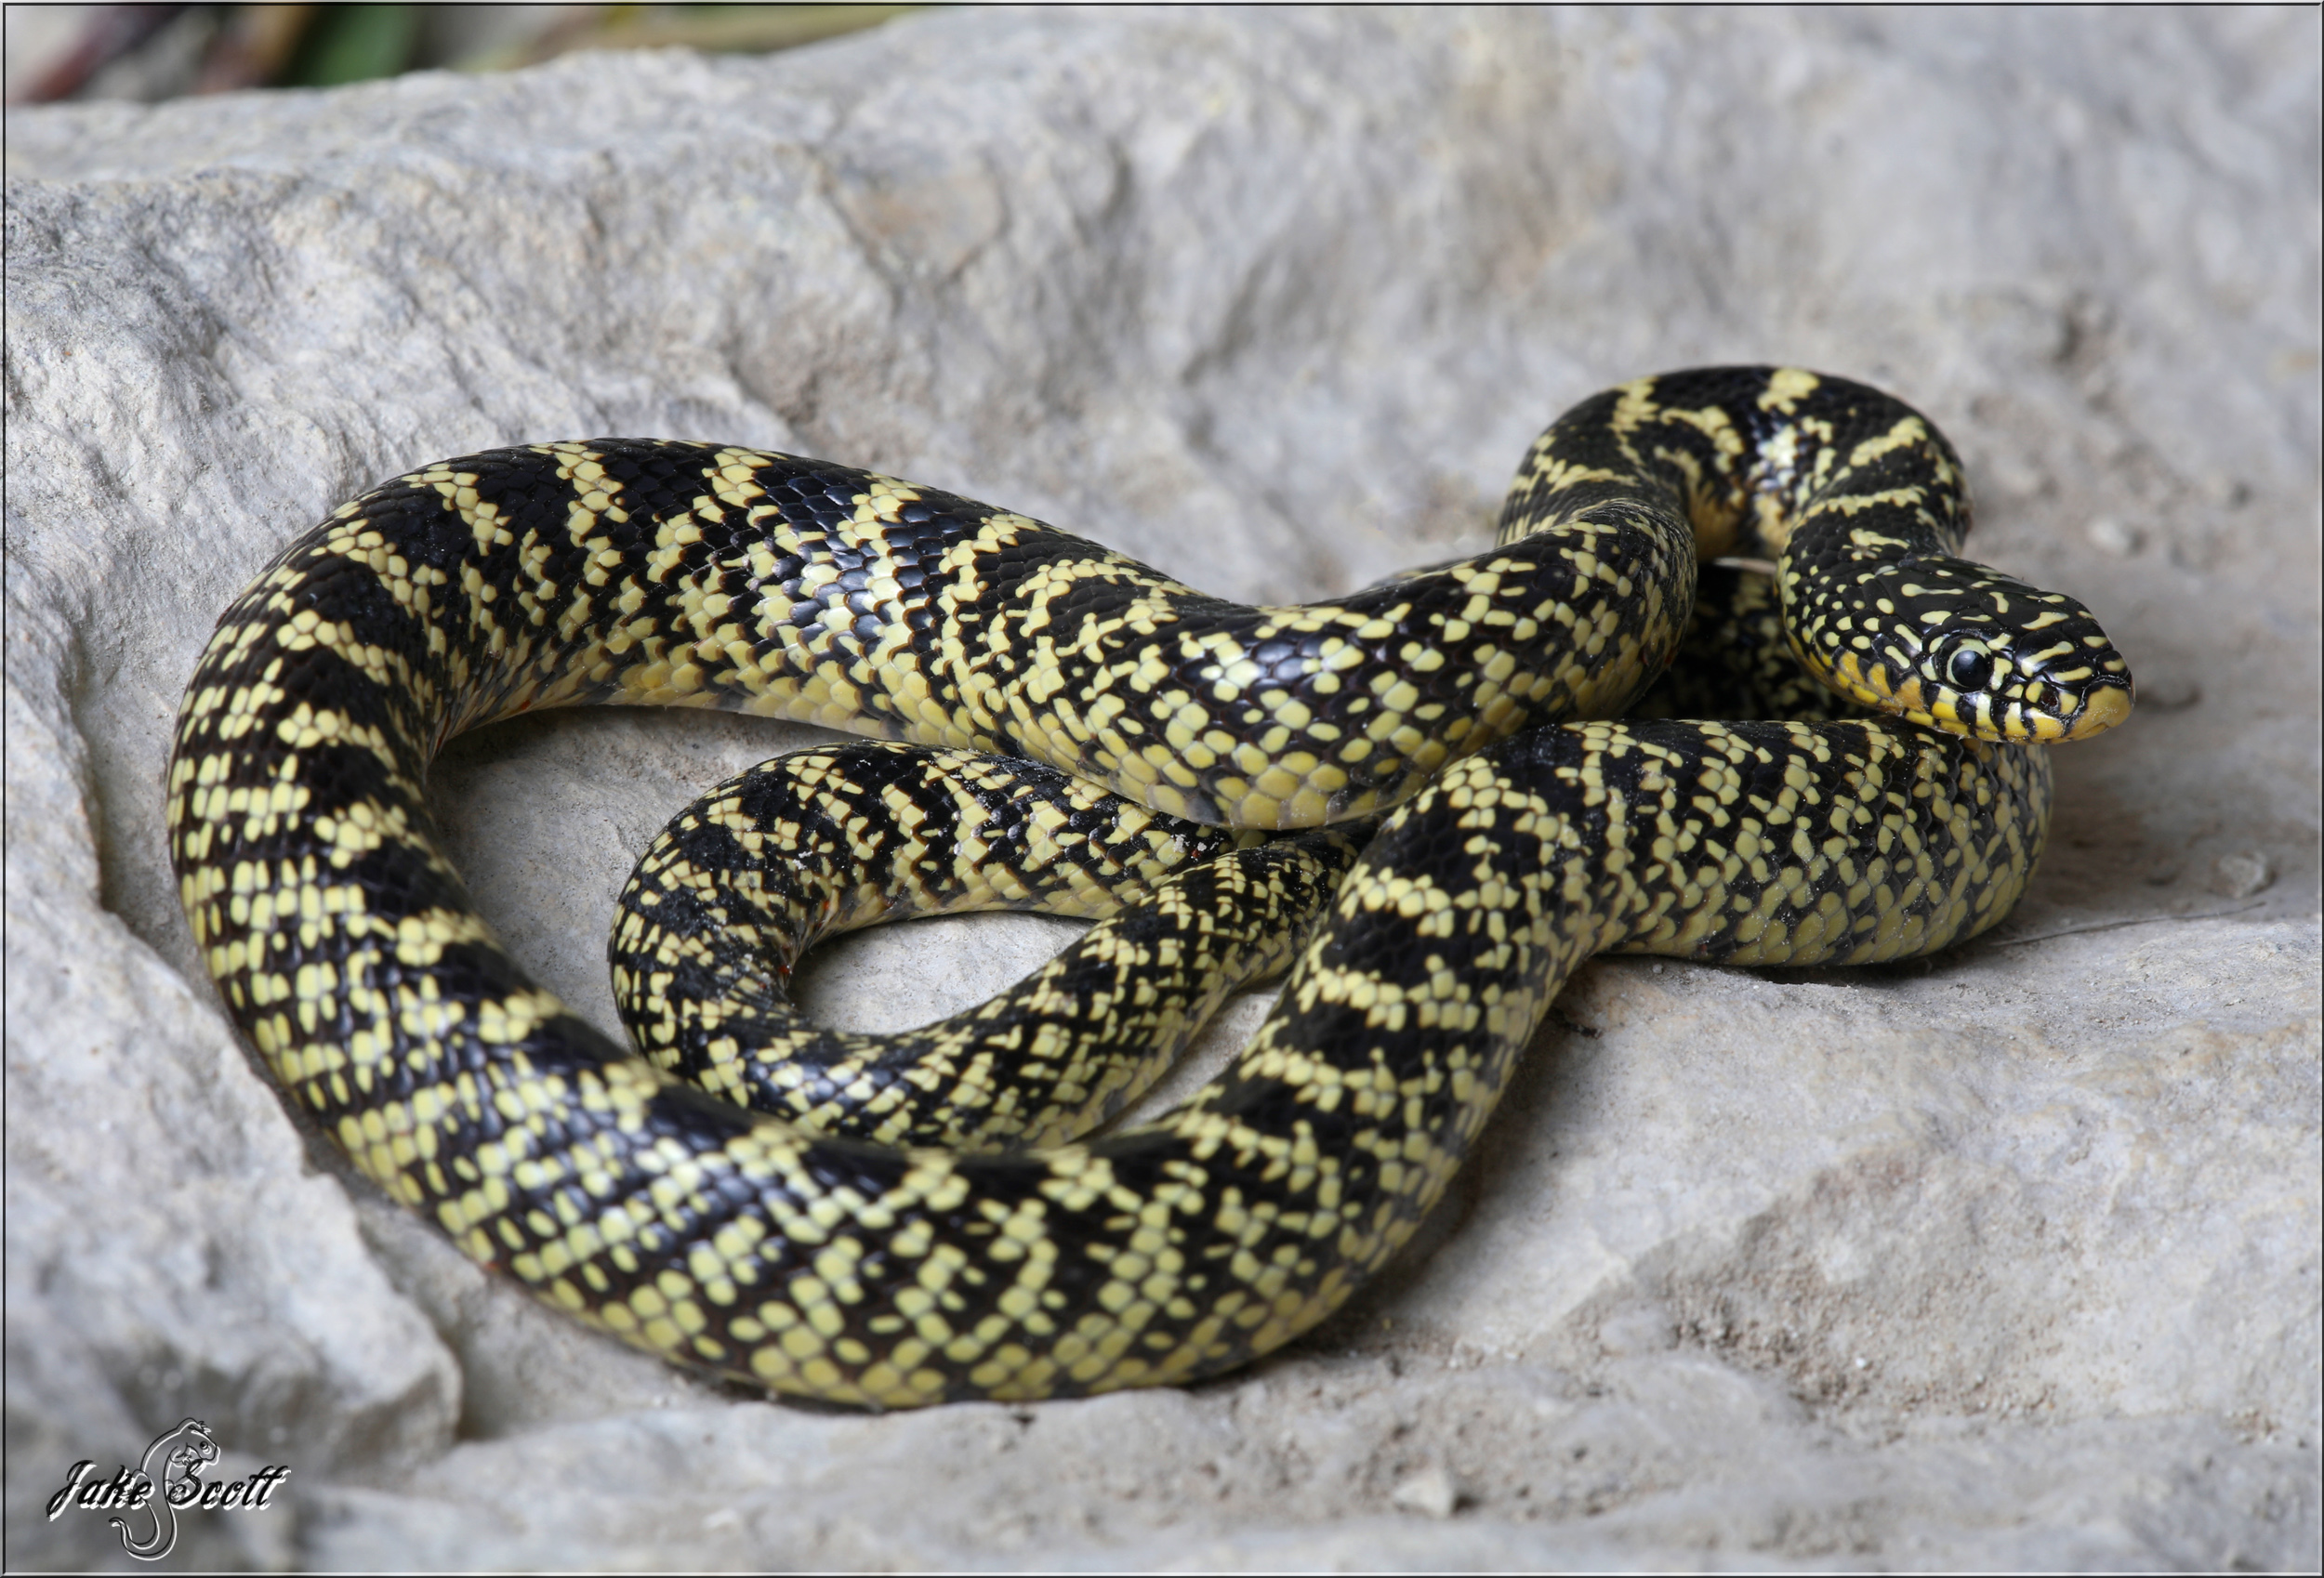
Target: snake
{"x": 1424, "y": 803}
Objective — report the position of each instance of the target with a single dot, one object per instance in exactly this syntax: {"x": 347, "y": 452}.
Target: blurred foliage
{"x": 712, "y": 29}
{"x": 155, "y": 52}
{"x": 344, "y": 43}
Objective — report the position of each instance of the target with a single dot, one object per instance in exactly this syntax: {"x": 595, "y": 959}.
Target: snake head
{"x": 1952, "y": 645}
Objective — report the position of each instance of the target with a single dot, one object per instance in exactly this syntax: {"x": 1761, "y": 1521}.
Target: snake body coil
{"x": 827, "y": 1249}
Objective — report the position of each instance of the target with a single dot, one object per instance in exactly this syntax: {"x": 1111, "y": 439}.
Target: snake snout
{"x": 2076, "y": 685}
{"x": 2108, "y": 703}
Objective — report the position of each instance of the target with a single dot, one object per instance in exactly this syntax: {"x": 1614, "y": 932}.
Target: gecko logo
{"x": 145, "y": 1501}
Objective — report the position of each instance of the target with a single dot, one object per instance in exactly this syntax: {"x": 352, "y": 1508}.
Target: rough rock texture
{"x": 2008, "y": 1258}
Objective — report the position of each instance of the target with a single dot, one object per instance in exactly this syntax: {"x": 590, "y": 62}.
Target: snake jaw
{"x": 2027, "y": 710}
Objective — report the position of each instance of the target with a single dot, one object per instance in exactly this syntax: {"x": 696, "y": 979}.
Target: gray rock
{"x": 2007, "y": 1259}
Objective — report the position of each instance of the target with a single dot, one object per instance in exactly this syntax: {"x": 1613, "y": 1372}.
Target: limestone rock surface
{"x": 2007, "y": 1258}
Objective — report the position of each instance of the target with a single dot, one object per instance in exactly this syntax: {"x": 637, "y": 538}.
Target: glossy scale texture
{"x": 637, "y": 572}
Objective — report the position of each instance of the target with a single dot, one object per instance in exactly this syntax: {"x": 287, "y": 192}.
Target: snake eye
{"x": 1970, "y": 667}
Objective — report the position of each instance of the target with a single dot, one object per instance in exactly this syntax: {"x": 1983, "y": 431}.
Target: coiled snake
{"x": 827, "y": 1246}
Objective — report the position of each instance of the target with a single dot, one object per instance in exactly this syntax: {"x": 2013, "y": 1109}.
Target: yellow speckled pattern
{"x": 824, "y": 1245}
{"x": 751, "y": 876}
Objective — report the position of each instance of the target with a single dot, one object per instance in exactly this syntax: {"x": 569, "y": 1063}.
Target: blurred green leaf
{"x": 353, "y": 44}
{"x": 713, "y": 29}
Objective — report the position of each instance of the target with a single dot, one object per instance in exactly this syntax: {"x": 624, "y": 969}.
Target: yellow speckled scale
{"x": 908, "y": 1221}
{"x": 737, "y": 889}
